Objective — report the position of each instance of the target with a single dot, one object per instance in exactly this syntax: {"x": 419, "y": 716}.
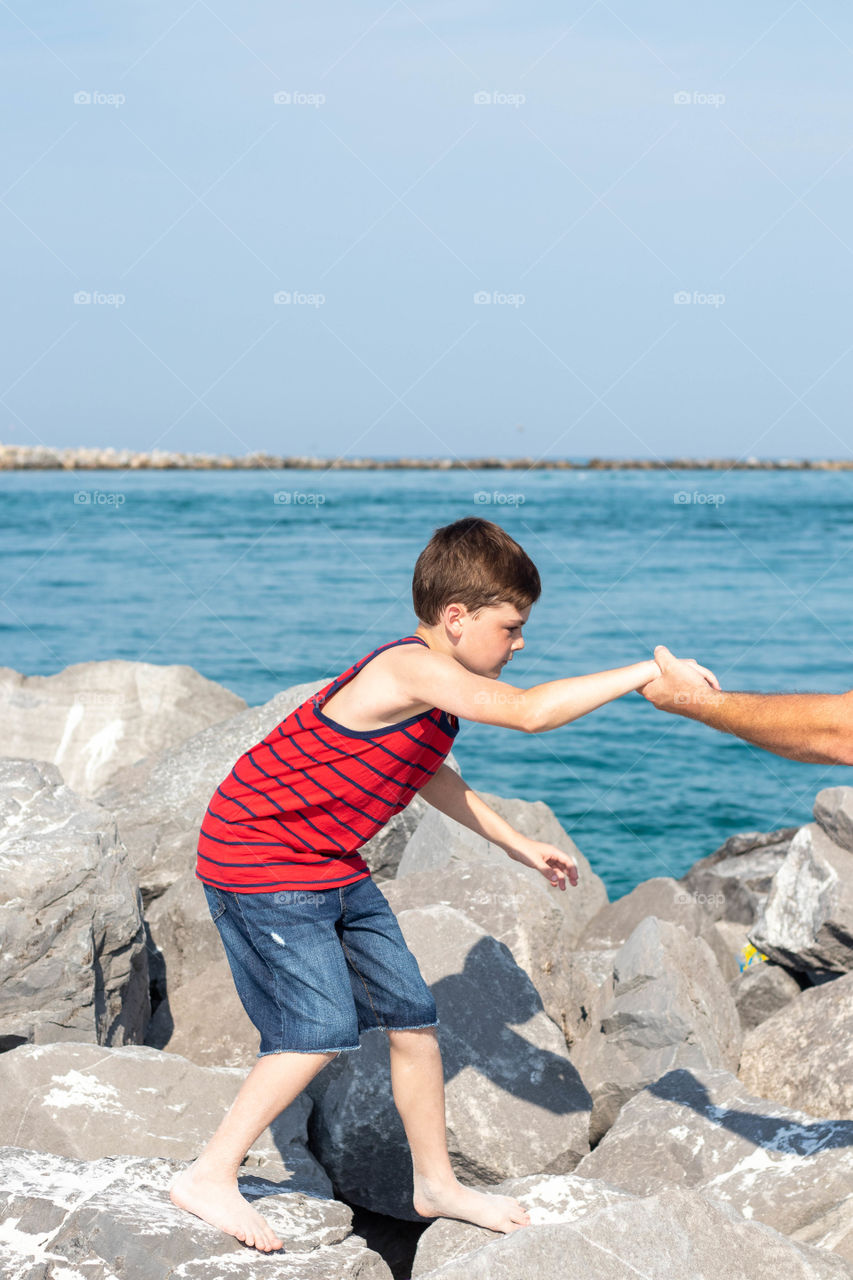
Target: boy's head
{"x": 475, "y": 585}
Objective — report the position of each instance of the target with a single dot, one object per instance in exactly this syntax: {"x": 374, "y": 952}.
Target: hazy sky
{"x": 624, "y": 155}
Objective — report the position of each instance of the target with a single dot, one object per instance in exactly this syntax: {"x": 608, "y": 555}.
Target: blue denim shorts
{"x": 316, "y": 967}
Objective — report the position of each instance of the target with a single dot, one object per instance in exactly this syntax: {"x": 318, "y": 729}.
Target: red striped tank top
{"x": 298, "y": 805}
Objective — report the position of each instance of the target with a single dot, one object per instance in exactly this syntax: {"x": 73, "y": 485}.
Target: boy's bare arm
{"x": 452, "y": 795}
{"x": 437, "y": 679}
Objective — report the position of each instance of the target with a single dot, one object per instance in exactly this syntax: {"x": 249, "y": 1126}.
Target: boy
{"x": 316, "y": 953}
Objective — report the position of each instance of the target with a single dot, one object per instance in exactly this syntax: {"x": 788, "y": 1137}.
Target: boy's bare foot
{"x": 498, "y": 1213}
{"x": 218, "y": 1201}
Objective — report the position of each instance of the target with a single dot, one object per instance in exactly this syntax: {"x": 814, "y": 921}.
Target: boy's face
{"x": 488, "y": 639}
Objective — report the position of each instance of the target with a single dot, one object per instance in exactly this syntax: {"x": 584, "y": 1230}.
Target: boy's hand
{"x": 681, "y": 680}
{"x": 547, "y": 858}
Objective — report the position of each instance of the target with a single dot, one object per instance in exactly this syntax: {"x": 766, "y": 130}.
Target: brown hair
{"x": 476, "y": 563}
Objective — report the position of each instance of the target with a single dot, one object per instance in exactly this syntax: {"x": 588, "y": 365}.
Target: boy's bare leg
{"x": 417, "y": 1082}
{"x": 208, "y": 1188}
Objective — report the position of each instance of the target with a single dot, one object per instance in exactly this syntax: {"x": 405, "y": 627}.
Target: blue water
{"x": 206, "y": 568}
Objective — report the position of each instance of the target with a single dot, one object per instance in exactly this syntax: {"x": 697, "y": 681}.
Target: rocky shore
{"x": 663, "y": 1080}
{"x": 15, "y": 457}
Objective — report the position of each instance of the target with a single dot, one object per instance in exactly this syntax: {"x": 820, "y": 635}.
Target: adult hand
{"x": 681, "y": 683}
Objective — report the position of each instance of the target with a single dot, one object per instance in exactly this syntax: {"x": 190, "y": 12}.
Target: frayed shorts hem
{"x": 348, "y": 1048}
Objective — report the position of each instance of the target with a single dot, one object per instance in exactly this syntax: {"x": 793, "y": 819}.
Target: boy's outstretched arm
{"x": 452, "y": 795}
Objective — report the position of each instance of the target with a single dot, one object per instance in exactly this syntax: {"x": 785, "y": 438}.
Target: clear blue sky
{"x": 384, "y": 188}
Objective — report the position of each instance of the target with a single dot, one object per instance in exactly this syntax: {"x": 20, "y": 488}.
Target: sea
{"x": 265, "y": 579}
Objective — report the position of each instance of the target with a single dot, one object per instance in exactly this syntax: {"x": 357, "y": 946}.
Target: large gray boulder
{"x": 762, "y": 989}
{"x": 702, "y": 1129}
{"x": 439, "y": 841}
{"x": 802, "y": 1054}
{"x": 73, "y": 964}
{"x": 95, "y": 718}
{"x": 514, "y": 1103}
{"x": 547, "y": 1197}
{"x": 85, "y": 1101}
{"x": 670, "y": 1234}
{"x": 662, "y": 897}
{"x": 111, "y": 1219}
{"x": 807, "y": 921}
{"x": 182, "y": 1023}
{"x": 833, "y": 809}
{"x": 667, "y": 1005}
{"x": 732, "y": 883}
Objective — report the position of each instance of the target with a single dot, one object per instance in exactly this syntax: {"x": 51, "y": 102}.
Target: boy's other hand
{"x": 547, "y": 858}
{"x": 680, "y": 681}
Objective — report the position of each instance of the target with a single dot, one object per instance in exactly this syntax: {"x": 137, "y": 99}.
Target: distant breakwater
{"x": 42, "y": 458}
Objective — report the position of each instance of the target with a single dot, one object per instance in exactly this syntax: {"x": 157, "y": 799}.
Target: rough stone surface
{"x": 439, "y": 841}
{"x": 661, "y": 897}
{"x": 727, "y": 940}
{"x": 702, "y": 1129}
{"x": 732, "y": 882}
{"x": 86, "y": 1101}
{"x": 556, "y": 1197}
{"x": 762, "y": 990}
{"x": 514, "y": 1103}
{"x": 95, "y": 718}
{"x": 73, "y": 964}
{"x": 667, "y": 1005}
{"x": 802, "y": 1054}
{"x": 183, "y": 1024}
{"x": 833, "y": 809}
{"x": 807, "y": 920}
{"x": 111, "y": 1219}
{"x": 671, "y": 1234}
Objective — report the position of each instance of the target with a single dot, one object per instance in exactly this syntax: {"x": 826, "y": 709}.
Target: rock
{"x": 182, "y": 1023}
{"x": 95, "y": 718}
{"x": 661, "y": 897}
{"x": 183, "y": 941}
{"x": 111, "y": 1219}
{"x": 515, "y": 909}
{"x": 555, "y": 1197}
{"x": 732, "y": 882}
{"x": 727, "y": 941}
{"x": 667, "y": 1005}
{"x": 584, "y": 973}
{"x": 673, "y": 1233}
{"x": 833, "y": 809}
{"x": 807, "y": 920}
{"x": 84, "y": 1101}
{"x": 702, "y": 1129}
{"x": 834, "y": 1230}
{"x": 802, "y": 1053}
{"x": 760, "y": 991}
{"x": 440, "y": 840}
{"x": 160, "y": 802}
{"x": 514, "y": 1103}
{"x": 73, "y": 964}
